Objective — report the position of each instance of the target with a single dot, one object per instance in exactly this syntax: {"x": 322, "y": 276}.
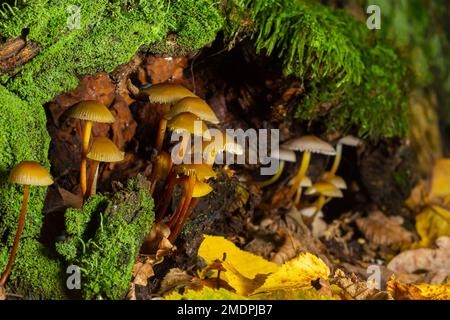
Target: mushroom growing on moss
{"x": 90, "y": 111}
{"x": 26, "y": 173}
{"x": 306, "y": 144}
{"x": 166, "y": 94}
{"x": 102, "y": 150}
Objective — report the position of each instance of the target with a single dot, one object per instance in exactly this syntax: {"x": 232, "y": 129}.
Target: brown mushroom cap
{"x": 310, "y": 143}
{"x": 185, "y": 122}
{"x": 167, "y": 93}
{"x": 30, "y": 173}
{"x": 284, "y": 154}
{"x": 350, "y": 141}
{"x": 104, "y": 150}
{"x": 202, "y": 171}
{"x": 91, "y": 110}
{"x": 324, "y": 188}
{"x": 195, "y": 106}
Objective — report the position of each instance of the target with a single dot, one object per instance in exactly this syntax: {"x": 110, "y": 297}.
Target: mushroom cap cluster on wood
{"x": 30, "y": 173}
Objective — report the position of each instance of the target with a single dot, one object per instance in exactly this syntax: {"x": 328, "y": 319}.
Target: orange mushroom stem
{"x": 25, "y": 173}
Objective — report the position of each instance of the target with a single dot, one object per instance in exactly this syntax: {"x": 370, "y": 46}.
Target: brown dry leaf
{"x": 69, "y": 199}
{"x": 382, "y": 230}
{"x": 409, "y": 291}
{"x": 152, "y": 242}
{"x": 435, "y": 261}
{"x": 289, "y": 249}
{"x": 354, "y": 288}
{"x": 142, "y": 272}
{"x": 174, "y": 279}
{"x": 131, "y": 295}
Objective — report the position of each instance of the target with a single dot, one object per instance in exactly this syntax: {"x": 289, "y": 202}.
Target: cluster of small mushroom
{"x": 181, "y": 111}
{"x": 327, "y": 187}
{"x": 102, "y": 149}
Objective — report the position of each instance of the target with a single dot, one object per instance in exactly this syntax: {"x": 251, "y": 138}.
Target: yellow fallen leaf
{"x": 296, "y": 273}
{"x": 432, "y": 223}
{"x": 410, "y": 291}
{"x": 205, "y": 294}
{"x": 294, "y": 294}
{"x": 440, "y": 186}
{"x": 243, "y": 270}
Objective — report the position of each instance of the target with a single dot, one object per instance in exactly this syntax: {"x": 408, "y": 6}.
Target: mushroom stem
{"x": 161, "y": 133}
{"x": 274, "y": 178}
{"x": 26, "y": 193}
{"x": 337, "y": 160}
{"x": 185, "y": 207}
{"x": 162, "y": 127}
{"x": 84, "y": 151}
{"x": 93, "y": 177}
{"x": 174, "y": 235}
{"x": 167, "y": 196}
{"x": 296, "y": 188}
{"x": 156, "y": 175}
{"x": 319, "y": 203}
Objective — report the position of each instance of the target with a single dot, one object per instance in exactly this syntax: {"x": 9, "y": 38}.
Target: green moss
{"x": 109, "y": 34}
{"x": 24, "y": 137}
{"x": 36, "y": 275}
{"x": 110, "y": 232}
{"x": 341, "y": 62}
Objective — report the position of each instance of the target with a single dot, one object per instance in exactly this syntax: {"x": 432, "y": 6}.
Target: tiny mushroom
{"x": 282, "y": 155}
{"x": 193, "y": 173}
{"x": 306, "y": 144}
{"x": 161, "y": 169}
{"x": 325, "y": 190}
{"x": 187, "y": 124}
{"x": 102, "y": 150}
{"x": 26, "y": 173}
{"x": 220, "y": 143}
{"x": 166, "y": 94}
{"x": 196, "y": 106}
{"x": 350, "y": 141}
{"x": 90, "y": 111}
{"x": 200, "y": 190}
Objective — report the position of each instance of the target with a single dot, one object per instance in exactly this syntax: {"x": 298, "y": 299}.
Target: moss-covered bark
{"x": 104, "y": 238}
